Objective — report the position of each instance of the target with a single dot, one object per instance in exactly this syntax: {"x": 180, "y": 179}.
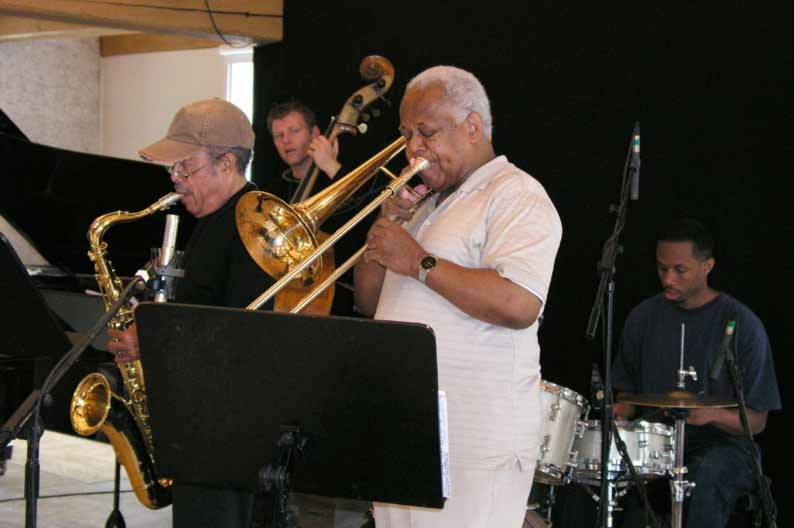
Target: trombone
{"x": 325, "y": 284}
{"x": 311, "y": 213}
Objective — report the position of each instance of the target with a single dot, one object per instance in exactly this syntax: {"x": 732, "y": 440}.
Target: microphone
{"x": 635, "y": 162}
{"x": 163, "y": 262}
{"x": 726, "y": 342}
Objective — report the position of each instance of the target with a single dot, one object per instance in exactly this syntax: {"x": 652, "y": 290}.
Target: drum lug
{"x": 544, "y": 447}
{"x": 580, "y": 427}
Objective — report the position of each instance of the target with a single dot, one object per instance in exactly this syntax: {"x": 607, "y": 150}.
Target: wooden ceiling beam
{"x": 148, "y": 43}
{"x": 17, "y": 28}
{"x": 232, "y": 21}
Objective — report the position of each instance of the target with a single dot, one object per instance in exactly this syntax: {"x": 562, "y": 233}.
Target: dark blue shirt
{"x": 650, "y": 351}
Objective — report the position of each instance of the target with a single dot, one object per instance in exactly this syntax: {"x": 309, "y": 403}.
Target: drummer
{"x": 690, "y": 317}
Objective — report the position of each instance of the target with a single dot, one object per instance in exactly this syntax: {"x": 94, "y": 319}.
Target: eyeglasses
{"x": 174, "y": 170}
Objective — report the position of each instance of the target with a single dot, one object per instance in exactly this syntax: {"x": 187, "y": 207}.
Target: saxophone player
{"x": 207, "y": 149}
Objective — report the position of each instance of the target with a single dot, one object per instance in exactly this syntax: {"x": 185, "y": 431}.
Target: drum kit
{"x": 570, "y": 450}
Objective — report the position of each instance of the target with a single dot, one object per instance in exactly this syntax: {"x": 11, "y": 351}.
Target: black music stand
{"x": 364, "y": 393}
{"x": 29, "y": 334}
{"x": 29, "y": 328}
{"x": 31, "y": 337}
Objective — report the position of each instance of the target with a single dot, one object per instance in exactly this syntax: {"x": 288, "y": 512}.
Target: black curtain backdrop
{"x": 707, "y": 83}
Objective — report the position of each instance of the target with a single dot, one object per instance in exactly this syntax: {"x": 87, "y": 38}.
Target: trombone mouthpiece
{"x": 421, "y": 164}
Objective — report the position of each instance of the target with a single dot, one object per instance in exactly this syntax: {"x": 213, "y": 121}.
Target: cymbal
{"x": 675, "y": 400}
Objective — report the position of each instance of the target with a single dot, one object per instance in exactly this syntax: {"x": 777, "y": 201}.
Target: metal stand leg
{"x": 550, "y": 504}
{"x": 611, "y": 496}
{"x": 679, "y": 488}
{"x": 116, "y": 519}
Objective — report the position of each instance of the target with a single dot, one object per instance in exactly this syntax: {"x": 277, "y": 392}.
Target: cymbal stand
{"x": 683, "y": 373}
{"x": 679, "y": 488}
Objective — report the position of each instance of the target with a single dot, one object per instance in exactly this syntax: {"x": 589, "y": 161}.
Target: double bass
{"x": 253, "y": 220}
{"x": 380, "y": 74}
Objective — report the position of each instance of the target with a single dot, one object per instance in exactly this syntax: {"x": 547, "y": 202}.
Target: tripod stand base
{"x": 116, "y": 520}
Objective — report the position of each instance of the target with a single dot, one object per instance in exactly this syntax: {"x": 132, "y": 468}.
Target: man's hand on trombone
{"x": 388, "y": 243}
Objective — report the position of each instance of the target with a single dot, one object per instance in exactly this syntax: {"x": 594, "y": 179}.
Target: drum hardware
{"x": 639, "y": 451}
{"x": 649, "y": 449}
{"x": 683, "y": 373}
{"x": 679, "y": 403}
{"x": 615, "y": 490}
{"x": 539, "y": 506}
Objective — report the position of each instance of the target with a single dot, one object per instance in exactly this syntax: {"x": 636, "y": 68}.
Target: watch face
{"x": 428, "y": 262}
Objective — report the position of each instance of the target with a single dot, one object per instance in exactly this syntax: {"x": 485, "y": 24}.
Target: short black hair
{"x": 690, "y": 230}
{"x": 279, "y": 110}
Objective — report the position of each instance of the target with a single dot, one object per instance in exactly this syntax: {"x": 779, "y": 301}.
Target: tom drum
{"x": 564, "y": 410}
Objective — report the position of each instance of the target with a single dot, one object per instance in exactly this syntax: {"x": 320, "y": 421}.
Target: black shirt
{"x": 218, "y": 269}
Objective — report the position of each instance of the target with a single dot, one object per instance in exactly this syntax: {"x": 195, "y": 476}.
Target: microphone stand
{"x": 26, "y": 420}
{"x": 606, "y": 268}
{"x": 767, "y": 502}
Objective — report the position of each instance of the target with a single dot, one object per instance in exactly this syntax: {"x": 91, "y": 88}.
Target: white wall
{"x": 50, "y": 90}
{"x": 142, "y": 92}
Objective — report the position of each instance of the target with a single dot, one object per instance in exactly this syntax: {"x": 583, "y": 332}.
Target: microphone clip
{"x": 162, "y": 279}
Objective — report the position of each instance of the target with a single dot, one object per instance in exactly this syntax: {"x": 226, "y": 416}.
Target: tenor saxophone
{"x": 94, "y": 406}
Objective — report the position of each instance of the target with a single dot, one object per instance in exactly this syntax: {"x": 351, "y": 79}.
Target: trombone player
{"x": 475, "y": 263}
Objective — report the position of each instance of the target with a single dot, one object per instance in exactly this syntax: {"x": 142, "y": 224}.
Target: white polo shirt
{"x": 499, "y": 218}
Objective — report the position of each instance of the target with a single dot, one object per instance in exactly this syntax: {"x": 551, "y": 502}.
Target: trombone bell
{"x": 280, "y": 236}
{"x": 275, "y": 235}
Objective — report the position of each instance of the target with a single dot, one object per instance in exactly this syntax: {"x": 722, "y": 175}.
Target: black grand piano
{"x": 49, "y": 198}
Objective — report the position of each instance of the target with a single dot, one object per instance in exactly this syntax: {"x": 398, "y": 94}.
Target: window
{"x": 240, "y": 81}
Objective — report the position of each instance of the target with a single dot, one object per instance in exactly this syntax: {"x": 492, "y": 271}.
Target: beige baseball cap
{"x": 212, "y": 122}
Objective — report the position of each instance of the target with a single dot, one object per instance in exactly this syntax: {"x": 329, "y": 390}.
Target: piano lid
{"x": 52, "y": 195}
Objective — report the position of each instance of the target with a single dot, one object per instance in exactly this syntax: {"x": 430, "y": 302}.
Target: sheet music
{"x": 446, "y": 482}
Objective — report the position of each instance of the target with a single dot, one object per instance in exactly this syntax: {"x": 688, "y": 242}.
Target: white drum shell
{"x": 650, "y": 446}
{"x": 564, "y": 409}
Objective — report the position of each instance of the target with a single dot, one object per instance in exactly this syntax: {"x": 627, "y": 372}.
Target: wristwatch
{"x": 426, "y": 266}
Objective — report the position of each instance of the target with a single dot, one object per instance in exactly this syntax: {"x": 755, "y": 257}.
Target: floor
{"x": 76, "y": 487}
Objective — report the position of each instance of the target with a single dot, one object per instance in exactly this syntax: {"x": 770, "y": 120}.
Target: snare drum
{"x": 650, "y": 446}
{"x": 564, "y": 409}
